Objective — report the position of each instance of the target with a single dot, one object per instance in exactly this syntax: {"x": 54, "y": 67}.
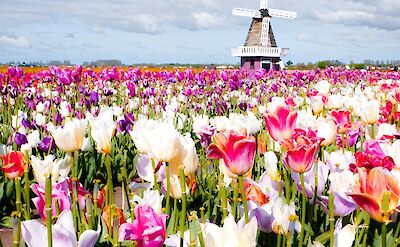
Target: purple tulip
{"x": 20, "y": 139}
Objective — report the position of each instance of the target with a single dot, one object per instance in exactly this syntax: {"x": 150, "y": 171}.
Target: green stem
{"x": 168, "y": 199}
{"x": 223, "y": 197}
{"x": 27, "y": 196}
{"x": 384, "y": 232}
{"x": 303, "y": 209}
{"x": 244, "y": 199}
{"x": 235, "y": 200}
{"x": 331, "y": 219}
{"x": 110, "y": 187}
{"x": 373, "y": 131}
{"x": 48, "y": 200}
{"x": 183, "y": 212}
{"x": 18, "y": 203}
{"x": 367, "y": 220}
{"x": 155, "y": 174}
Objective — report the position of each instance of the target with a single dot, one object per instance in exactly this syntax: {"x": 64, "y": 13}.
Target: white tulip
{"x": 370, "y": 112}
{"x": 164, "y": 142}
{"x": 271, "y": 165}
{"x": 285, "y": 217}
{"x": 69, "y": 138}
{"x": 188, "y": 158}
{"x": 33, "y": 138}
{"x": 323, "y": 87}
{"x": 152, "y": 198}
{"x": 58, "y": 168}
{"x": 138, "y": 134}
{"x": 231, "y": 234}
{"x": 327, "y": 130}
{"x": 103, "y": 129}
{"x": 40, "y": 119}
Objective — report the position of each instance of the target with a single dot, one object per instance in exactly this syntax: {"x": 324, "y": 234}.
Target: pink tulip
{"x": 60, "y": 192}
{"x": 148, "y": 228}
{"x": 301, "y": 153}
{"x": 237, "y": 151}
{"x": 281, "y": 124}
{"x": 342, "y": 120}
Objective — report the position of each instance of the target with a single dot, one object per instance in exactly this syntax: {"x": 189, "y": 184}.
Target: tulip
{"x": 103, "y": 129}
{"x": 271, "y": 166}
{"x": 148, "y": 228}
{"x": 69, "y": 138}
{"x": 374, "y": 188}
{"x": 342, "y": 120}
{"x": 281, "y": 124}
{"x": 188, "y": 157}
{"x": 370, "y": 112}
{"x": 341, "y": 184}
{"x": 13, "y": 164}
{"x": 301, "y": 154}
{"x": 284, "y": 217}
{"x": 231, "y": 234}
{"x": 106, "y": 215}
{"x": 63, "y": 232}
{"x": 326, "y": 130}
{"x": 138, "y": 134}
{"x": 58, "y": 168}
{"x": 235, "y": 149}
{"x": 164, "y": 142}
{"x": 60, "y": 191}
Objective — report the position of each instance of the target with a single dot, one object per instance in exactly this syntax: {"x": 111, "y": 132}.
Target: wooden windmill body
{"x": 260, "y": 49}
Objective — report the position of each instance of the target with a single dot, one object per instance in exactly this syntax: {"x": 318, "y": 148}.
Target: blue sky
{"x": 192, "y": 31}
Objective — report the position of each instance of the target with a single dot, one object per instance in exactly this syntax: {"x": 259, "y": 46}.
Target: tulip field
{"x": 219, "y": 158}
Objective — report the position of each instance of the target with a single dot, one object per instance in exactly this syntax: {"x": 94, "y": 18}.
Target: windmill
{"x": 260, "y": 49}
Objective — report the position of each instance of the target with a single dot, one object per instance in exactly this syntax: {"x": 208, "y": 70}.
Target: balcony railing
{"x": 259, "y": 51}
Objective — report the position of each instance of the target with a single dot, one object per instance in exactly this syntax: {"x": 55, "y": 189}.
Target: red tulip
{"x": 342, "y": 120}
{"x": 371, "y": 191}
{"x": 281, "y": 124}
{"x": 235, "y": 149}
{"x": 13, "y": 164}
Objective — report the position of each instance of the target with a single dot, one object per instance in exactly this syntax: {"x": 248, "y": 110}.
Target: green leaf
{"x": 7, "y": 221}
{"x": 171, "y": 223}
{"x": 9, "y": 188}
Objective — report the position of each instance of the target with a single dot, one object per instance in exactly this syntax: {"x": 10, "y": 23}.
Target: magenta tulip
{"x": 281, "y": 124}
{"x": 148, "y": 228}
{"x": 235, "y": 149}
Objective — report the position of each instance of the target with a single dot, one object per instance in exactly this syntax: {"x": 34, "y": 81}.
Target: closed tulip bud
{"x": 103, "y": 129}
{"x": 327, "y": 130}
{"x": 370, "y": 112}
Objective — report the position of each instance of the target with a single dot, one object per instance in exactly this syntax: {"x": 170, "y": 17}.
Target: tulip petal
{"x": 369, "y": 204}
{"x": 34, "y": 233}
{"x": 89, "y": 238}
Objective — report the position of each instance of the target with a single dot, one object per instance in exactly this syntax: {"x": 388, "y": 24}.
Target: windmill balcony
{"x": 259, "y": 51}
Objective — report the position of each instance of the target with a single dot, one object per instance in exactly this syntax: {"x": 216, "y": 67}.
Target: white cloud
{"x": 14, "y": 41}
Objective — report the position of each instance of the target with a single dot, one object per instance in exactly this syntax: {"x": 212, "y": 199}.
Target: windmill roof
{"x": 254, "y": 34}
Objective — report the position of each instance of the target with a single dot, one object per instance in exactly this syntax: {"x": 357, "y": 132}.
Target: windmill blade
{"x": 265, "y": 32}
{"x": 264, "y": 4}
{"x": 282, "y": 13}
{"x": 246, "y": 12}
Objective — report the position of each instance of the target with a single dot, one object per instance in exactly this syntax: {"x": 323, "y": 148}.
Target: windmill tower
{"x": 260, "y": 49}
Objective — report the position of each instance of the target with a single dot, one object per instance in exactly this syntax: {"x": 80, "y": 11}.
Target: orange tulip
{"x": 374, "y": 188}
